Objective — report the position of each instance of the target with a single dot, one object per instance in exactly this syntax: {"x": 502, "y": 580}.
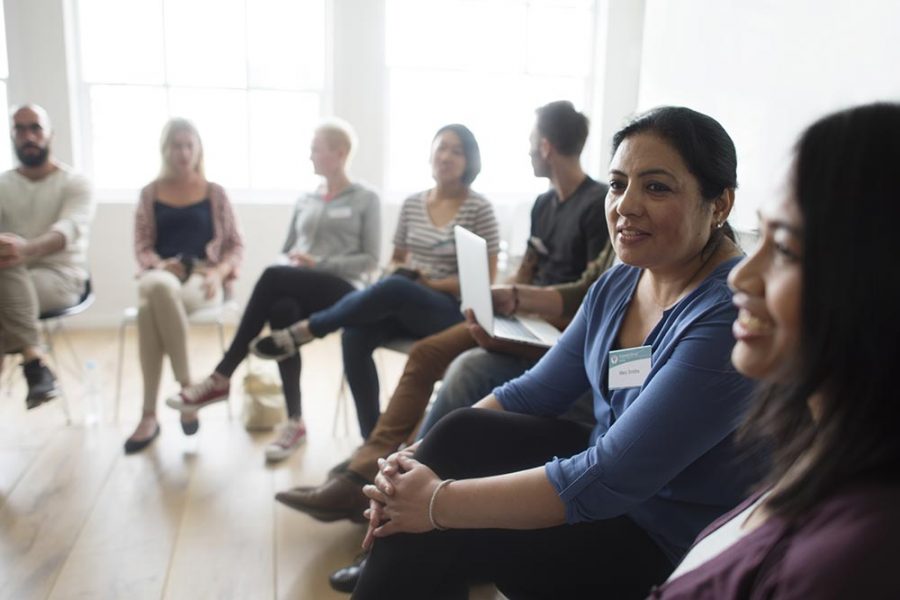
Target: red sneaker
{"x": 194, "y": 397}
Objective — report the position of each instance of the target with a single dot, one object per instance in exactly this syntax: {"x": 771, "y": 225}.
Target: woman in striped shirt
{"x": 420, "y": 296}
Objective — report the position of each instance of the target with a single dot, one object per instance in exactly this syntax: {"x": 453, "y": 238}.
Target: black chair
{"x": 52, "y": 324}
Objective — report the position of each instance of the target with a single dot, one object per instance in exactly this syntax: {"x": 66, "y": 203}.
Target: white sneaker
{"x": 292, "y": 434}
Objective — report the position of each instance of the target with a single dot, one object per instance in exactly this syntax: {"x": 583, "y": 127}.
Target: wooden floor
{"x": 187, "y": 518}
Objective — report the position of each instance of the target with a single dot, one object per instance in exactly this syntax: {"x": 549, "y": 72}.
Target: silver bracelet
{"x": 431, "y": 504}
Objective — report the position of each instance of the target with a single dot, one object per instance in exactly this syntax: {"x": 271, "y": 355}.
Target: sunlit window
{"x": 487, "y": 64}
{"x": 249, "y": 73}
{"x": 5, "y": 148}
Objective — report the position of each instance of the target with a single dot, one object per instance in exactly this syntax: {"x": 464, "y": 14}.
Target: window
{"x": 250, "y": 73}
{"x": 487, "y": 64}
{"x": 5, "y": 149}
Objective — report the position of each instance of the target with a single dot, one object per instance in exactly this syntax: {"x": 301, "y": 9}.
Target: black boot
{"x": 344, "y": 579}
{"x": 41, "y": 383}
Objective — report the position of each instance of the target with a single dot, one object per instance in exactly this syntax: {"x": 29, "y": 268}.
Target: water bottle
{"x": 93, "y": 407}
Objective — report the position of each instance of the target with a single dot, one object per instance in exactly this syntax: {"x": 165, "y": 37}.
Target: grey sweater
{"x": 343, "y": 233}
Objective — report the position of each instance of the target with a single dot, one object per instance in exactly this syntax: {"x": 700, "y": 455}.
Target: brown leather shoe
{"x": 340, "y": 497}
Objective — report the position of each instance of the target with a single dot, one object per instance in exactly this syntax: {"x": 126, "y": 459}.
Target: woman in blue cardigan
{"x": 547, "y": 508}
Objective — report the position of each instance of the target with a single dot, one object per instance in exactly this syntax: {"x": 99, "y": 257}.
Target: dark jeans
{"x": 394, "y": 307}
{"x": 283, "y": 295}
{"x": 612, "y": 558}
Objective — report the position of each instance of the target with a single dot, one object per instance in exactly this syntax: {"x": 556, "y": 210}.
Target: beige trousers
{"x": 163, "y": 309}
{"x": 24, "y": 294}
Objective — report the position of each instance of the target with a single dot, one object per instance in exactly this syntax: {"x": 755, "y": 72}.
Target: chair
{"x": 342, "y": 407}
{"x": 52, "y": 323}
{"x": 213, "y": 315}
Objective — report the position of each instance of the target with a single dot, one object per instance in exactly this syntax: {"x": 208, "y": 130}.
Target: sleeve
{"x": 77, "y": 210}
{"x": 485, "y": 225}
{"x": 594, "y": 229}
{"x": 356, "y": 264}
{"x": 556, "y": 381}
{"x": 232, "y": 240}
{"x": 573, "y": 293}
{"x": 402, "y": 231}
{"x": 690, "y": 404}
{"x": 145, "y": 231}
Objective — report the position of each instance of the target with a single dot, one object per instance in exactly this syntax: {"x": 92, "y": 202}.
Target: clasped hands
{"x": 212, "y": 278}
{"x": 399, "y": 498}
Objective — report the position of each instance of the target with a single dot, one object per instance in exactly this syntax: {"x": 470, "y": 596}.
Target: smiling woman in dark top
{"x": 819, "y": 323}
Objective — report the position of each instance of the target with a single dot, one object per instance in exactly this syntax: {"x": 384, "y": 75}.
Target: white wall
{"x": 766, "y": 69}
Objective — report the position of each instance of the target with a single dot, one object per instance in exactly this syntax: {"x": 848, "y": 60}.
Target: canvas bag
{"x": 263, "y": 399}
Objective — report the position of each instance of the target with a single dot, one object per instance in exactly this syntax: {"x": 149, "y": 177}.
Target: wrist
{"x": 432, "y": 509}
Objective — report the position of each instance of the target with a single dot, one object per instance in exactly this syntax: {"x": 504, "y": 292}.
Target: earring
{"x": 719, "y": 224}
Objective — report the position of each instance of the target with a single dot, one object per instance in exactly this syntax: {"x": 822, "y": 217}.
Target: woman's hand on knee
{"x": 406, "y": 508}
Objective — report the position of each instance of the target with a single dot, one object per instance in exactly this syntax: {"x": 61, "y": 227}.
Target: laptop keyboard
{"x": 512, "y": 329}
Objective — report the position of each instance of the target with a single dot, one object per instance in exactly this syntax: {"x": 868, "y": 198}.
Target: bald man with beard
{"x": 45, "y": 214}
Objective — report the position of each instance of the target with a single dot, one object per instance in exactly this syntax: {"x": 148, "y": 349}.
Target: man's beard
{"x": 33, "y": 159}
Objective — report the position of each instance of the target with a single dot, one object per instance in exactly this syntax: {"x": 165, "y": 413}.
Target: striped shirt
{"x": 432, "y": 250}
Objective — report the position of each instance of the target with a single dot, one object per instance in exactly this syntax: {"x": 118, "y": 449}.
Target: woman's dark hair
{"x": 843, "y": 181}
{"x": 704, "y": 146}
{"x": 470, "y": 150}
{"x": 563, "y": 126}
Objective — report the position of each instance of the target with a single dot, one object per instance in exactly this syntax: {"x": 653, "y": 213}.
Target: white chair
{"x": 213, "y": 315}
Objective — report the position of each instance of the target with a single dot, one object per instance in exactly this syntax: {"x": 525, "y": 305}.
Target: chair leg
{"x": 63, "y": 397}
{"x": 341, "y": 410}
{"x": 221, "y": 327}
{"x": 119, "y": 363}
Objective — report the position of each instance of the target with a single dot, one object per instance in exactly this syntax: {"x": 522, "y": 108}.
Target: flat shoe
{"x": 132, "y": 445}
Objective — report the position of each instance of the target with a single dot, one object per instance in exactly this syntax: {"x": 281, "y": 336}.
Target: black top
{"x": 565, "y": 236}
{"x": 184, "y": 230}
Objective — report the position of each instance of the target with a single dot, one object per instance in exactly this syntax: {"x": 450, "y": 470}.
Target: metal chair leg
{"x": 119, "y": 363}
{"x": 51, "y": 350}
{"x": 221, "y": 327}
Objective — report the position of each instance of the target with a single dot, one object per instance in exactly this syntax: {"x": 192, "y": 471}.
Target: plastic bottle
{"x": 93, "y": 407}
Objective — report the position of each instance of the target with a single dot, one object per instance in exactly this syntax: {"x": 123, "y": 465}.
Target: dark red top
{"x": 846, "y": 547}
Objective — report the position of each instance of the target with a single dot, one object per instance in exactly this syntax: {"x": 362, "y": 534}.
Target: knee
{"x": 270, "y": 275}
{"x": 391, "y": 287}
{"x": 155, "y": 286}
{"x": 283, "y": 312}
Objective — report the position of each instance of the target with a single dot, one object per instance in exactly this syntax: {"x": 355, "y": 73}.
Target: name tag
{"x": 340, "y": 212}
{"x": 629, "y": 367}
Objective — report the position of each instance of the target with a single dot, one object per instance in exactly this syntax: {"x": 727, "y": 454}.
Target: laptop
{"x": 475, "y": 289}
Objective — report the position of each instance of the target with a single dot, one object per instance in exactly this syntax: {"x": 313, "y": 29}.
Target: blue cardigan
{"x": 661, "y": 453}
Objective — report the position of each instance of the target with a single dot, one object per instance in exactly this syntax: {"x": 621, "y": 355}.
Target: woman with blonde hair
{"x": 333, "y": 240}
{"x": 188, "y": 248}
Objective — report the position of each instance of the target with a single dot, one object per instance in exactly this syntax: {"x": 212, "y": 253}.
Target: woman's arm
{"x": 521, "y": 500}
{"x": 232, "y": 253}
{"x": 145, "y": 231}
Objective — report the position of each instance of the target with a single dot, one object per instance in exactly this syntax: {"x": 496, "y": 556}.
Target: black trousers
{"x": 613, "y": 558}
{"x": 282, "y": 296}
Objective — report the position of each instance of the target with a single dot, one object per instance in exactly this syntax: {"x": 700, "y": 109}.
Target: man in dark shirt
{"x": 568, "y": 224}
